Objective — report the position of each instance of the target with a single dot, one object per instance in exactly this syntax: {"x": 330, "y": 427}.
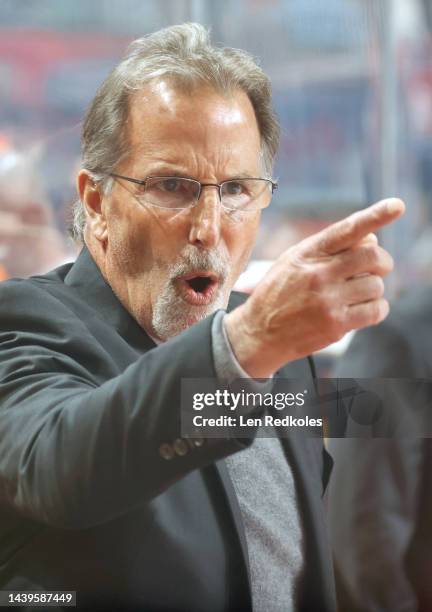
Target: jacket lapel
{"x": 87, "y": 280}
{"x": 301, "y": 453}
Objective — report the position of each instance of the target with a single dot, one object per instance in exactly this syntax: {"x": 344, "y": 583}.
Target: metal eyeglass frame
{"x": 143, "y": 183}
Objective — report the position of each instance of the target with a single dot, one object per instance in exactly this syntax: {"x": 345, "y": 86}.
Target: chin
{"x": 166, "y": 327}
{"x": 173, "y": 312}
{"x": 171, "y": 317}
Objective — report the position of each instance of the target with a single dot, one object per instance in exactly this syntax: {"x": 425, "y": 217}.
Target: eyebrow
{"x": 178, "y": 172}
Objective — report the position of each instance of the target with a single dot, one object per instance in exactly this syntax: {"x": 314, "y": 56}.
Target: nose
{"x": 205, "y": 226}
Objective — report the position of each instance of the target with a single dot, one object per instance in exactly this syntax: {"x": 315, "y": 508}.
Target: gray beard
{"x": 171, "y": 314}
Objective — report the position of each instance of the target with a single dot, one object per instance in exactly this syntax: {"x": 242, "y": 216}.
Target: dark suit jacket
{"x": 87, "y": 503}
{"x": 380, "y": 501}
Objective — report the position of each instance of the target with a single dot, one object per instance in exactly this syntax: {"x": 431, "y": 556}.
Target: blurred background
{"x": 352, "y": 86}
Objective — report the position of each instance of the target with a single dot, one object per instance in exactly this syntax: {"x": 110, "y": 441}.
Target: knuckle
{"x": 373, "y": 214}
{"x": 372, "y": 254}
{"x": 379, "y": 309}
{"x": 389, "y": 262}
{"x": 377, "y": 286}
{"x": 376, "y": 214}
{"x": 374, "y": 257}
{"x": 350, "y": 226}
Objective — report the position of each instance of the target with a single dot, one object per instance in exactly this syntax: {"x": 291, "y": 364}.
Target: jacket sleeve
{"x": 75, "y": 453}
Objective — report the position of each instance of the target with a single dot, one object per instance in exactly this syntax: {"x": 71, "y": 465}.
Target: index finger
{"x": 346, "y": 233}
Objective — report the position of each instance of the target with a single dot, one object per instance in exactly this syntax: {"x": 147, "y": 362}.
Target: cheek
{"x": 241, "y": 235}
{"x": 127, "y": 244}
{"x": 143, "y": 242}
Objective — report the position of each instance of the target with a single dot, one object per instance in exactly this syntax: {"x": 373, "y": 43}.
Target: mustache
{"x": 207, "y": 261}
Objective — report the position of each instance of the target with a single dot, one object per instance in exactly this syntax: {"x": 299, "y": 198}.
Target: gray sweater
{"x": 267, "y": 496}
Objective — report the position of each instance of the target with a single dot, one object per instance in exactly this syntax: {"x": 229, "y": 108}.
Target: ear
{"x": 91, "y": 198}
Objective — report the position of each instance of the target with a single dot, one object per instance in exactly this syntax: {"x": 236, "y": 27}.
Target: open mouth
{"x": 198, "y": 288}
{"x": 199, "y": 283}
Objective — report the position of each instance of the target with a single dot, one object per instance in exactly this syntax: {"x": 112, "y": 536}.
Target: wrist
{"x": 247, "y": 345}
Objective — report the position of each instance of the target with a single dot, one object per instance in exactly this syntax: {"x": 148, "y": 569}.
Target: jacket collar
{"x": 87, "y": 281}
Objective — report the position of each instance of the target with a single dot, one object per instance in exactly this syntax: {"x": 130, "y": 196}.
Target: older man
{"x": 99, "y": 492}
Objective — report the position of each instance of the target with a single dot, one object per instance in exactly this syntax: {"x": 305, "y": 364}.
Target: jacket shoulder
{"x": 33, "y": 297}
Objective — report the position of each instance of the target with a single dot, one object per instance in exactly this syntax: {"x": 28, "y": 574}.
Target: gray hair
{"x": 184, "y": 54}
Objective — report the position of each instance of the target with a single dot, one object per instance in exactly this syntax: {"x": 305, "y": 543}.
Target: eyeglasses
{"x": 176, "y": 193}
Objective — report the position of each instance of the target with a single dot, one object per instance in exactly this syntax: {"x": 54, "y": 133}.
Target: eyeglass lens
{"x": 174, "y": 192}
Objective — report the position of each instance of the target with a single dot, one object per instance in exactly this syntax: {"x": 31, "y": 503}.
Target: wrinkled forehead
{"x": 165, "y": 110}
